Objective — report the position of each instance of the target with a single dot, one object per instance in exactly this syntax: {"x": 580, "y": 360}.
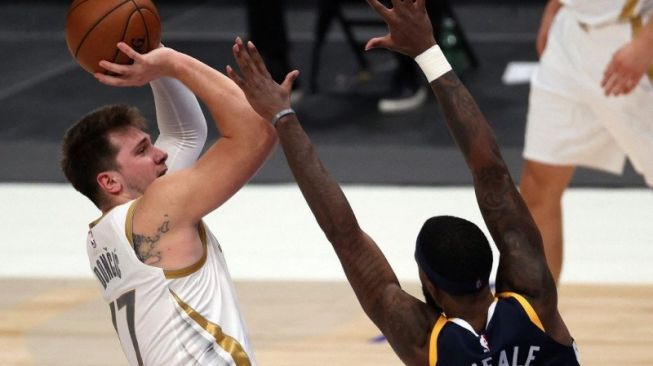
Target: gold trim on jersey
{"x": 96, "y": 221}
{"x": 227, "y": 343}
{"x": 129, "y": 222}
{"x": 628, "y": 10}
{"x": 535, "y": 319}
{"x": 433, "y": 343}
{"x": 179, "y": 273}
{"x": 636, "y": 24}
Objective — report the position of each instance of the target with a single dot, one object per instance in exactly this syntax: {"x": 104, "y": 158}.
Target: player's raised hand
{"x": 266, "y": 96}
{"x": 410, "y": 29}
{"x": 143, "y": 69}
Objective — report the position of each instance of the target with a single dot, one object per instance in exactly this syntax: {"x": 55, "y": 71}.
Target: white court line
{"x": 268, "y": 233}
{"x": 37, "y": 79}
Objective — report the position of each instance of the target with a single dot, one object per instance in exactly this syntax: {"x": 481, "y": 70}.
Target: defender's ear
{"x": 109, "y": 182}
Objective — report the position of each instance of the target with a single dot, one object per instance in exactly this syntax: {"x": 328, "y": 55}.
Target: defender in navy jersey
{"x": 462, "y": 323}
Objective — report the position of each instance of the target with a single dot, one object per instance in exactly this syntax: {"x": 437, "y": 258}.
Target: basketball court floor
{"x": 397, "y": 170}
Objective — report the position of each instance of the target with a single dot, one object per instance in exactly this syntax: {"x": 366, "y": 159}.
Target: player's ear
{"x": 109, "y": 182}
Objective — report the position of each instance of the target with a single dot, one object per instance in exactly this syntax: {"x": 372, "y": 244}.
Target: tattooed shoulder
{"x": 147, "y": 246}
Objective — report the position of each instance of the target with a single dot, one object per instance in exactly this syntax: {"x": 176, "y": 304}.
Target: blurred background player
{"x": 590, "y": 104}
{"x": 408, "y": 89}
{"x": 161, "y": 271}
{"x": 266, "y": 23}
{"x": 469, "y": 326}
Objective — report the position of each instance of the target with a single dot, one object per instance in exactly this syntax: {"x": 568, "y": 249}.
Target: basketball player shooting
{"x": 158, "y": 267}
{"x": 462, "y": 323}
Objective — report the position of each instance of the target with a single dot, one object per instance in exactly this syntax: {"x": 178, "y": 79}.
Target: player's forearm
{"x": 366, "y": 267}
{"x": 522, "y": 256}
{"x": 181, "y": 122}
{"x": 178, "y": 112}
{"x": 496, "y": 193}
{"x": 467, "y": 123}
{"x": 232, "y": 114}
{"x": 321, "y": 191}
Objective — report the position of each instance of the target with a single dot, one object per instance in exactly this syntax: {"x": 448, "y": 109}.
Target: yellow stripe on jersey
{"x": 129, "y": 222}
{"x": 527, "y": 307}
{"x": 433, "y": 344}
{"x": 227, "y": 343}
{"x": 628, "y": 10}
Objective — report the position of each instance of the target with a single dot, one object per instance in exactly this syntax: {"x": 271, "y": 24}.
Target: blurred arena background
{"x": 397, "y": 170}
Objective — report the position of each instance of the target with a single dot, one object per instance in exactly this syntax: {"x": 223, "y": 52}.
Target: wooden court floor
{"x": 65, "y": 323}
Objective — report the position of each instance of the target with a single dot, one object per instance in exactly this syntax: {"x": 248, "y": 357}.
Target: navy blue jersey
{"x": 514, "y": 336}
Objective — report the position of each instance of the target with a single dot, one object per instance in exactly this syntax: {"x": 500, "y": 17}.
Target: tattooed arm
{"x": 404, "y": 320}
{"x": 522, "y": 265}
{"x": 147, "y": 246}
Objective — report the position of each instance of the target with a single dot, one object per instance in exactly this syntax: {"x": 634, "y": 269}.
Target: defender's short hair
{"x": 454, "y": 254}
{"x": 86, "y": 150}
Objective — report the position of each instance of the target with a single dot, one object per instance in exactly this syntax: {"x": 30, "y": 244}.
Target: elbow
{"x": 266, "y": 137}
{"x": 260, "y": 140}
{"x": 343, "y": 235}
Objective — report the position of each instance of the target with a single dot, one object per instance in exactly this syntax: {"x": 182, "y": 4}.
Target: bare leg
{"x": 542, "y": 186}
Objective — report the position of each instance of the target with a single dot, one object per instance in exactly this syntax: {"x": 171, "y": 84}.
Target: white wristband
{"x": 281, "y": 114}
{"x": 433, "y": 63}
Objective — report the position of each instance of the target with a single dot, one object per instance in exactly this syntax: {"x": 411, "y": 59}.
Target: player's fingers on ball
{"x": 113, "y": 67}
{"x": 127, "y": 50}
{"x": 108, "y": 80}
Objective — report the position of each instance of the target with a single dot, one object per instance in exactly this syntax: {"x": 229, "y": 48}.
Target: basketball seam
{"x": 124, "y": 32}
{"x": 147, "y": 30}
{"x": 81, "y": 42}
{"x": 75, "y": 7}
{"x": 154, "y": 11}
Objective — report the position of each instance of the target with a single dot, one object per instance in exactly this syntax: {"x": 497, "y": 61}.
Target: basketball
{"x": 94, "y": 27}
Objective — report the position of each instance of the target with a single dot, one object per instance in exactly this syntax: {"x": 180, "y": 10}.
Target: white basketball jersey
{"x": 186, "y": 317}
{"x": 598, "y": 12}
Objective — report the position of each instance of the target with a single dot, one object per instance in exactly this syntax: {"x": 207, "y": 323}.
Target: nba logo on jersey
{"x": 91, "y": 239}
{"x": 484, "y": 343}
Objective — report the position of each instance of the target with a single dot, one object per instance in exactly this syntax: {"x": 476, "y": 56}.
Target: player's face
{"x": 139, "y": 161}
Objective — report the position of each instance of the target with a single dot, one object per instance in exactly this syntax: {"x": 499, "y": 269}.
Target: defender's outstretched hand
{"x": 410, "y": 30}
{"x": 263, "y": 93}
{"x": 145, "y": 68}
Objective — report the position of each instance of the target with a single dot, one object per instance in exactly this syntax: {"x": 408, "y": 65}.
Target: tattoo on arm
{"x": 522, "y": 261}
{"x": 146, "y": 246}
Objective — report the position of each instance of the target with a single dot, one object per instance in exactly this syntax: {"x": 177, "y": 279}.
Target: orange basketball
{"x": 94, "y": 27}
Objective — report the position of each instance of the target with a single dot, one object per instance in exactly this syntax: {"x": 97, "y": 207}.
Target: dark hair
{"x": 454, "y": 254}
{"x": 86, "y": 150}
